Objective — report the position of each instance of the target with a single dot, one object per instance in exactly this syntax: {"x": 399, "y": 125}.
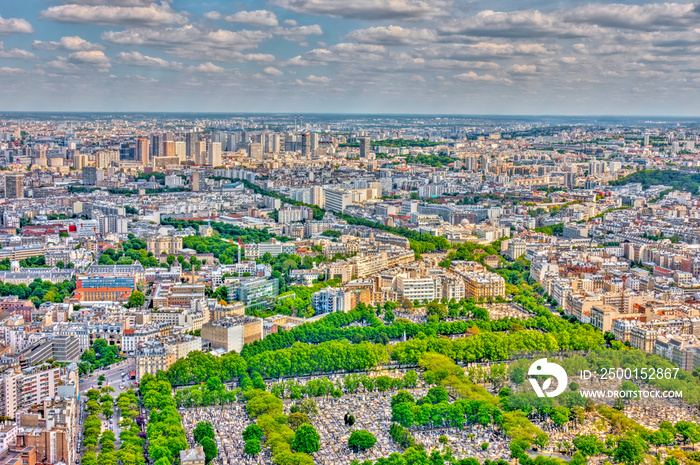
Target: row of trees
{"x": 39, "y": 291}
{"x": 31, "y": 262}
{"x": 226, "y": 230}
{"x": 165, "y": 434}
{"x": 434, "y": 410}
{"x": 350, "y": 384}
{"x": 420, "y": 243}
{"x": 131, "y": 451}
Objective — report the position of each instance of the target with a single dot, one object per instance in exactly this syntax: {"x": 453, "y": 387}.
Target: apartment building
{"x": 232, "y": 332}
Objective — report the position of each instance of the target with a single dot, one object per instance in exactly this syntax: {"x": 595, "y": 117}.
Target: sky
{"x": 510, "y": 57}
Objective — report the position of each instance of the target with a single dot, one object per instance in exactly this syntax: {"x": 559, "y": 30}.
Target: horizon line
{"x": 480, "y": 115}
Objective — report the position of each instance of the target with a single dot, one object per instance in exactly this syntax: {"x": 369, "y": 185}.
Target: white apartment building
{"x": 415, "y": 288}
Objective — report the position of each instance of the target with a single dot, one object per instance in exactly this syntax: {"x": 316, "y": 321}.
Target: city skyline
{"x": 373, "y": 57}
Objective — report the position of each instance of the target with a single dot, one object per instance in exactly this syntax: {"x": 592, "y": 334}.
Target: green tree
{"x": 588, "y": 444}
{"x": 560, "y": 415}
{"x": 203, "y": 430}
{"x": 629, "y": 450}
{"x": 209, "y": 448}
{"x": 252, "y": 432}
{"x": 309, "y": 407}
{"x": 252, "y": 447}
{"x": 306, "y": 439}
{"x": 517, "y": 375}
{"x": 297, "y": 419}
{"x": 361, "y": 440}
{"x": 136, "y": 299}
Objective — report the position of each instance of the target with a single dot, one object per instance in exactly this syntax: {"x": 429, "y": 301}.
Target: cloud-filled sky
{"x": 351, "y": 56}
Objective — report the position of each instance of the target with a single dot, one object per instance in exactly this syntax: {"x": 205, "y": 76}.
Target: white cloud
{"x": 188, "y": 38}
{"x": 523, "y": 69}
{"x": 313, "y": 80}
{"x": 393, "y": 35}
{"x": 94, "y": 57}
{"x": 67, "y": 43}
{"x": 254, "y": 18}
{"x": 296, "y": 61}
{"x": 223, "y": 55}
{"x": 15, "y": 26}
{"x": 516, "y": 24}
{"x": 137, "y": 59}
{"x": 289, "y": 22}
{"x": 370, "y": 9}
{"x": 272, "y": 71}
{"x": 7, "y": 70}
{"x": 106, "y": 15}
{"x": 355, "y": 54}
{"x": 472, "y": 76}
{"x": 209, "y": 68}
{"x": 650, "y": 16}
{"x": 299, "y": 33}
{"x": 417, "y": 78}
{"x": 213, "y": 15}
{"x": 15, "y": 53}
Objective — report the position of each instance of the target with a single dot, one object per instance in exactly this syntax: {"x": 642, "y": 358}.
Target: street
{"x": 113, "y": 377}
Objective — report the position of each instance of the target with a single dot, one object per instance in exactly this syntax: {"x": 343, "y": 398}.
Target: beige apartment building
{"x": 232, "y": 332}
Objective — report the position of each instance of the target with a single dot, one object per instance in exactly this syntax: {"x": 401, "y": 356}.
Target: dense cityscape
{"x": 365, "y": 232}
{"x": 347, "y": 289}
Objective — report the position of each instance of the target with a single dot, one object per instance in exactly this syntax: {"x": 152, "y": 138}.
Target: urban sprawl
{"x": 292, "y": 289}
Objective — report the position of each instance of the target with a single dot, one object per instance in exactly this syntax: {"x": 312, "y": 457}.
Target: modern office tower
{"x": 364, "y": 147}
{"x": 290, "y": 142}
{"x": 156, "y": 145}
{"x": 317, "y": 196}
{"x": 646, "y": 139}
{"x": 191, "y": 139}
{"x": 14, "y": 185}
{"x": 168, "y": 148}
{"x": 485, "y": 161}
{"x": 79, "y": 161}
{"x": 214, "y": 154}
{"x": 195, "y": 181}
{"x": 255, "y": 151}
{"x": 200, "y": 153}
{"x": 113, "y": 224}
{"x": 219, "y": 137}
{"x": 89, "y": 175}
{"x": 106, "y": 158}
{"x": 168, "y": 137}
{"x": 272, "y": 143}
{"x": 142, "y": 150}
{"x": 337, "y": 199}
{"x": 306, "y": 146}
{"x": 181, "y": 150}
{"x": 245, "y": 138}
{"x": 314, "y": 143}
{"x": 232, "y": 141}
